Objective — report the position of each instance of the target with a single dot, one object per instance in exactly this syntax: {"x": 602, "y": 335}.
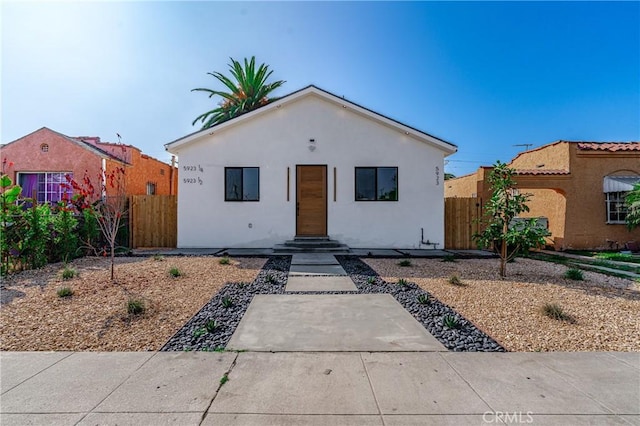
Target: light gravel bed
{"x": 606, "y": 309}
{"x": 34, "y": 318}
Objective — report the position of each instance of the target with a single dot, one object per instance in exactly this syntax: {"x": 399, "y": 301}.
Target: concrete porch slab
{"x": 138, "y": 419}
{"x": 314, "y": 259}
{"x": 214, "y": 419}
{"x": 326, "y": 270}
{"x": 320, "y": 283}
{"x": 59, "y": 419}
{"x": 332, "y": 322}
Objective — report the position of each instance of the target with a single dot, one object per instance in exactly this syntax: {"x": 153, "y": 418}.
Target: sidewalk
{"x": 321, "y": 354}
{"x": 357, "y": 388}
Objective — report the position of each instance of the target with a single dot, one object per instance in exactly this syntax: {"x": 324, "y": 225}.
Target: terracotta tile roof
{"x": 537, "y": 172}
{"x": 609, "y": 146}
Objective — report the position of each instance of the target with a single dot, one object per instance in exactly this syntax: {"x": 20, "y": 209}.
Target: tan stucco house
{"x": 578, "y": 186}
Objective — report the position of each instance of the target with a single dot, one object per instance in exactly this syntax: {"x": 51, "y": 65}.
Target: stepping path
{"x": 328, "y": 322}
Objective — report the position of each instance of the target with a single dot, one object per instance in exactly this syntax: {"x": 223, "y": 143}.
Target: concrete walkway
{"x": 357, "y": 388}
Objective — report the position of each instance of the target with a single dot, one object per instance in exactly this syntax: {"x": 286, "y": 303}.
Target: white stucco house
{"x": 310, "y": 164}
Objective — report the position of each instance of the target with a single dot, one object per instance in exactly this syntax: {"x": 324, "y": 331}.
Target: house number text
{"x": 193, "y": 180}
{"x": 437, "y": 175}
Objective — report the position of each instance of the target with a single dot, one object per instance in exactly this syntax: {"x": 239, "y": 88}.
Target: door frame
{"x": 326, "y": 199}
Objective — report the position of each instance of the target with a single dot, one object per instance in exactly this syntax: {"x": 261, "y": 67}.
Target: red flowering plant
{"x": 104, "y": 201}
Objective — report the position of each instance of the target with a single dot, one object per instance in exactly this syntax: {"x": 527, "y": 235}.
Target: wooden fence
{"x": 460, "y": 222}
{"x": 153, "y": 220}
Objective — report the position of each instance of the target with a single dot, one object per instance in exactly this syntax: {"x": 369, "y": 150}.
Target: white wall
{"x": 279, "y": 139}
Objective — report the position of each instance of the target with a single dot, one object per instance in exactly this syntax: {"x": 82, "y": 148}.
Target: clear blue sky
{"x": 485, "y": 76}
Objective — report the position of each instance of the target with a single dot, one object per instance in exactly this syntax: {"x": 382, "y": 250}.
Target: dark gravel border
{"x": 272, "y": 279}
{"x": 465, "y": 338}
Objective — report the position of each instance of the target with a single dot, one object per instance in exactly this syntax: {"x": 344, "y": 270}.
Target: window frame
{"x": 609, "y": 211}
{"x": 242, "y": 200}
{"x": 48, "y": 182}
{"x": 152, "y": 185}
{"x": 375, "y": 168}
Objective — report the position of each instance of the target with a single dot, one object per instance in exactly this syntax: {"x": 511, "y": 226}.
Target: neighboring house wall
{"x": 86, "y": 155}
{"x": 279, "y": 140}
{"x": 566, "y": 182}
{"x": 462, "y": 187}
{"x": 145, "y": 170}
{"x": 63, "y": 155}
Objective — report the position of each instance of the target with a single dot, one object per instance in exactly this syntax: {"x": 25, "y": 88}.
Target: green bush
{"x": 424, "y": 299}
{"x": 556, "y": 312}
{"x": 574, "y": 274}
{"x": 135, "y": 307}
{"x": 451, "y": 322}
{"x": 405, "y": 262}
{"x": 227, "y": 302}
{"x": 224, "y": 260}
{"x": 175, "y": 272}
{"x": 64, "y": 292}
{"x": 68, "y": 273}
{"x": 455, "y": 280}
{"x": 65, "y": 240}
{"x": 211, "y": 326}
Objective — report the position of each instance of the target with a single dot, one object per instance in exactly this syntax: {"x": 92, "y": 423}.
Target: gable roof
{"x": 89, "y": 147}
{"x": 448, "y": 147}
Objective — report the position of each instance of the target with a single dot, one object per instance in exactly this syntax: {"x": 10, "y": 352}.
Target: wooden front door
{"x": 311, "y": 201}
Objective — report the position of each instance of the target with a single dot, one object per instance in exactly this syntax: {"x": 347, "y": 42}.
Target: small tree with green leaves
{"x": 507, "y": 237}
{"x": 632, "y": 201}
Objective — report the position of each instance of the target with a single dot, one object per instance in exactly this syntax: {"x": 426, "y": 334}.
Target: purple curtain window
{"x": 29, "y": 184}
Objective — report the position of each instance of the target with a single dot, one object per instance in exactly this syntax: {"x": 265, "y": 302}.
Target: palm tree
{"x": 248, "y": 92}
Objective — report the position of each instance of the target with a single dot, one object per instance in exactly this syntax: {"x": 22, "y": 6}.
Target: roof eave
{"x": 445, "y": 146}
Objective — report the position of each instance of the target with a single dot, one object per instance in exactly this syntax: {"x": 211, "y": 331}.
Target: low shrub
{"x": 423, "y": 299}
{"x": 68, "y": 273}
{"x": 135, "y": 307}
{"x": 227, "y": 302}
{"x": 158, "y": 257}
{"x": 64, "y": 292}
{"x": 175, "y": 272}
{"x": 404, "y": 262}
{"x": 574, "y": 274}
{"x": 450, "y": 321}
{"x": 211, "y": 325}
{"x": 224, "y": 260}
{"x": 403, "y": 283}
{"x": 455, "y": 280}
{"x": 449, "y": 258}
{"x": 556, "y": 312}
{"x": 371, "y": 280}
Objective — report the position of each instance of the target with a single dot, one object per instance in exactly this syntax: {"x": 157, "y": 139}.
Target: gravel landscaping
{"x": 95, "y": 317}
{"x": 201, "y": 308}
{"x": 605, "y": 310}
{"x": 225, "y": 310}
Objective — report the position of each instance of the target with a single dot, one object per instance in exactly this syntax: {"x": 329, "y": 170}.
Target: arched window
{"x": 44, "y": 147}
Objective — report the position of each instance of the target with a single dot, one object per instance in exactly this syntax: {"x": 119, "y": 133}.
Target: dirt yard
{"x": 95, "y": 318}
{"x": 605, "y": 310}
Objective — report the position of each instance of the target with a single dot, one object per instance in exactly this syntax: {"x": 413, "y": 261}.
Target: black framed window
{"x": 376, "y": 184}
{"x": 242, "y": 184}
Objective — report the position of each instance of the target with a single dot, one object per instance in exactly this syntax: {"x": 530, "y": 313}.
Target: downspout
{"x": 104, "y": 178}
{"x": 171, "y": 172}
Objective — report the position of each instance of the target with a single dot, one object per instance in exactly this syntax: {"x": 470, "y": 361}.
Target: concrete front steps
{"x": 311, "y": 245}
